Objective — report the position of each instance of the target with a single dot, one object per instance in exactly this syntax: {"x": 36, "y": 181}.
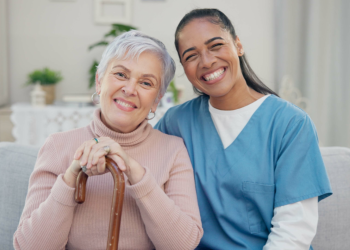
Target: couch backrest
{"x": 16, "y": 164}
{"x": 333, "y": 231}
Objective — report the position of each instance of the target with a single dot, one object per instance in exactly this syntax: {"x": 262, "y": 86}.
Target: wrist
{"x": 136, "y": 173}
{"x": 70, "y": 178}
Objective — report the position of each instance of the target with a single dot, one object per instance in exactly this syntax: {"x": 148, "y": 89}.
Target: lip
{"x": 128, "y": 109}
{"x": 216, "y": 79}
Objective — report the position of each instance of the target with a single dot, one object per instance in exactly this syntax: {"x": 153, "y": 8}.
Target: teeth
{"x": 214, "y": 75}
{"x": 124, "y": 104}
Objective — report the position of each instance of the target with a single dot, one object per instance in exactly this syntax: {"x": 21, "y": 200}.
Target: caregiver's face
{"x": 210, "y": 57}
{"x": 128, "y": 91}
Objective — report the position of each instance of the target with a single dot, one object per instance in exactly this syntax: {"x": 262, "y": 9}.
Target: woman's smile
{"x": 214, "y": 76}
{"x": 125, "y": 105}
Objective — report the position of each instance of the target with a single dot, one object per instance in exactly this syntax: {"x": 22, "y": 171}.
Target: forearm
{"x": 294, "y": 226}
{"x": 168, "y": 225}
{"x": 48, "y": 226}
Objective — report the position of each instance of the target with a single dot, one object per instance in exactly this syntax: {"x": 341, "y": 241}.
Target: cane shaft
{"x": 117, "y": 202}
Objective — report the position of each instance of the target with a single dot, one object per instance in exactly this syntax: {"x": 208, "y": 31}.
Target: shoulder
{"x": 289, "y": 121}
{"x": 166, "y": 140}
{"x": 186, "y": 108}
{"x": 180, "y": 117}
{"x": 285, "y": 112}
{"x": 74, "y": 136}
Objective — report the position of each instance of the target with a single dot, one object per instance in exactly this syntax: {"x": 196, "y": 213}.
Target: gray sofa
{"x": 17, "y": 161}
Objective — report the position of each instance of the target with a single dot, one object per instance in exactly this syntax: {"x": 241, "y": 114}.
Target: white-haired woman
{"x": 160, "y": 206}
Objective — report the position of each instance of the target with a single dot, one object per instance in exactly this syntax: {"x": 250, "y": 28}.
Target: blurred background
{"x": 299, "y": 48}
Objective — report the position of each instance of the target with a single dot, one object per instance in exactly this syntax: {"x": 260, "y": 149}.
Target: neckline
{"x": 137, "y": 136}
{"x": 237, "y": 111}
{"x": 211, "y": 126}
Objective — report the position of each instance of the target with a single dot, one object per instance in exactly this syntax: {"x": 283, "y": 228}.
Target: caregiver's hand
{"x": 92, "y": 155}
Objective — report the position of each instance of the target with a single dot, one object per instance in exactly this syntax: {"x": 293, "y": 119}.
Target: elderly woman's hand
{"x": 92, "y": 155}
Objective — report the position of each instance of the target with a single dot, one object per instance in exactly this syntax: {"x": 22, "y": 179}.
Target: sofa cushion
{"x": 16, "y": 164}
{"x": 334, "y": 212}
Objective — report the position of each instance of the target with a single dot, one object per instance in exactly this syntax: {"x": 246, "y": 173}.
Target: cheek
{"x": 190, "y": 72}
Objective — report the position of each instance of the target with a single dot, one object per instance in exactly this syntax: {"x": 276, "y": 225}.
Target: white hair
{"x": 130, "y": 45}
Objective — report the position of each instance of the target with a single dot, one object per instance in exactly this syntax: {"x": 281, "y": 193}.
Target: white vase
{"x": 38, "y": 96}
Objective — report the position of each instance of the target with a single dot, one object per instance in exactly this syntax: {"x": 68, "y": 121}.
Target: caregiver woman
{"x": 160, "y": 208}
{"x": 257, "y": 164}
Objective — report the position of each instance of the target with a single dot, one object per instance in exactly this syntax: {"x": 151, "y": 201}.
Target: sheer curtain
{"x": 3, "y": 54}
{"x": 312, "y": 41}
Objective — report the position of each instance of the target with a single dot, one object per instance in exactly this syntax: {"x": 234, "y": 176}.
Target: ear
{"x": 239, "y": 47}
{"x": 155, "y": 104}
{"x": 98, "y": 84}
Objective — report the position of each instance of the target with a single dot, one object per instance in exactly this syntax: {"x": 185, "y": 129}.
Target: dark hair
{"x": 217, "y": 17}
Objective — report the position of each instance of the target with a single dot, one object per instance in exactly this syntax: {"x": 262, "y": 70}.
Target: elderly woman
{"x": 160, "y": 205}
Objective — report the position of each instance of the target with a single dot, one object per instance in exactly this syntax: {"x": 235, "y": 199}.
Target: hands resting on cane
{"x": 92, "y": 154}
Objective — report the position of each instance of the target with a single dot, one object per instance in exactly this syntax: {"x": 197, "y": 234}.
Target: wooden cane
{"x": 117, "y": 203}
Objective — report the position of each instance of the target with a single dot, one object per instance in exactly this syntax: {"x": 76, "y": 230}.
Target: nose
{"x": 207, "y": 59}
{"x": 129, "y": 88}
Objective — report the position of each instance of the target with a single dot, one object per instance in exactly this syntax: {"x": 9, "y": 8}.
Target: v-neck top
{"x": 229, "y": 123}
{"x": 271, "y": 163}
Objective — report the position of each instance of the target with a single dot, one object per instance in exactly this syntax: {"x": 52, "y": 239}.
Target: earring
{"x": 241, "y": 52}
{"x": 95, "y": 98}
{"x": 150, "y": 112}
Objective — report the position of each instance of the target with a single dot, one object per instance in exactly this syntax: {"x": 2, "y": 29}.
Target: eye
{"x": 120, "y": 74}
{"x": 217, "y": 45}
{"x": 189, "y": 57}
{"x": 146, "y": 84}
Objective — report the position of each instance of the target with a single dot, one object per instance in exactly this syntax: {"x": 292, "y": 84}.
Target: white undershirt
{"x": 294, "y": 225}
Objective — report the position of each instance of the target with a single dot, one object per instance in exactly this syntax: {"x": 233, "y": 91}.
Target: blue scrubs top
{"x": 274, "y": 161}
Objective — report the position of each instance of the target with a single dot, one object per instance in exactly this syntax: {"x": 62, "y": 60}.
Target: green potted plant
{"x": 47, "y": 79}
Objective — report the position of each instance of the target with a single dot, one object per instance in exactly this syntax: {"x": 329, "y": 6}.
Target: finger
{"x": 96, "y": 154}
{"x": 120, "y": 162}
{"x": 75, "y": 167}
{"x": 117, "y": 150}
{"x": 94, "y": 170}
{"x": 101, "y": 165}
{"x": 88, "y": 172}
{"x": 86, "y": 152}
{"x": 78, "y": 153}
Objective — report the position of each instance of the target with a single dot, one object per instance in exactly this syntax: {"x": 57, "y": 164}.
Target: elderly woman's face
{"x": 128, "y": 91}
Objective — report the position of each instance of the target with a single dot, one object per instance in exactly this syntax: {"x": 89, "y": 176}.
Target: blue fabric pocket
{"x": 259, "y": 199}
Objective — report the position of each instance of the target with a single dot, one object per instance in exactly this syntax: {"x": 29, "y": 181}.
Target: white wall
{"x": 57, "y": 34}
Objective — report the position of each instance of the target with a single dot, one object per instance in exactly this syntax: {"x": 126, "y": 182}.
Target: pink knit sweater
{"x": 159, "y": 212}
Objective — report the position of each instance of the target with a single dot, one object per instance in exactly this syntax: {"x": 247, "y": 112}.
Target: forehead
{"x": 198, "y": 31}
{"x": 146, "y": 63}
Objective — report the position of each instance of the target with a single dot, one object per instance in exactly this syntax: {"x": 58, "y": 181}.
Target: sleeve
{"x": 162, "y": 124}
{"x": 293, "y": 226}
{"x": 48, "y": 212}
{"x": 171, "y": 217}
{"x": 300, "y": 173}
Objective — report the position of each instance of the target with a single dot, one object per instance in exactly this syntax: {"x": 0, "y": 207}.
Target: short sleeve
{"x": 300, "y": 172}
{"x": 161, "y": 125}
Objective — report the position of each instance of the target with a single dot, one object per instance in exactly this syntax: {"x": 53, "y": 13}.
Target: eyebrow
{"x": 206, "y": 42}
{"x": 121, "y": 66}
{"x": 128, "y": 70}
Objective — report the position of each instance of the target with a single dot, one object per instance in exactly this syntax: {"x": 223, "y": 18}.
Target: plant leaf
{"x": 122, "y": 28}
{"x": 112, "y": 33}
{"x": 102, "y": 43}
{"x": 92, "y": 74}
